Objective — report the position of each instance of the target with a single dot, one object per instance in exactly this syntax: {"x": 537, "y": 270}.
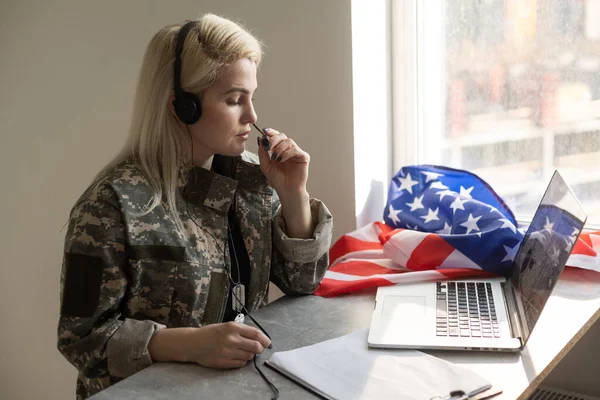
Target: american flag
{"x": 438, "y": 223}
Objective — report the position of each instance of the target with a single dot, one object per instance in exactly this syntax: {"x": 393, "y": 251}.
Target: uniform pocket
{"x": 193, "y": 285}
{"x": 152, "y": 270}
{"x": 151, "y": 289}
{"x": 167, "y": 288}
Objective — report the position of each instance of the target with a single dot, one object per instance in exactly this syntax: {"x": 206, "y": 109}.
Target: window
{"x": 507, "y": 89}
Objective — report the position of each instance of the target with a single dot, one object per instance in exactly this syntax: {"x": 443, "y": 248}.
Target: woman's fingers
{"x": 281, "y": 148}
{"x": 286, "y": 149}
{"x": 254, "y": 335}
{"x": 289, "y": 150}
{"x": 275, "y": 139}
{"x": 239, "y": 354}
{"x": 250, "y": 346}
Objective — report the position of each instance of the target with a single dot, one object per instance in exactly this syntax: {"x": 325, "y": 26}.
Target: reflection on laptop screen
{"x": 544, "y": 250}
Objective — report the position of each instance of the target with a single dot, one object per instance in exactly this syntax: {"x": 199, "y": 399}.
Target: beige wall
{"x": 67, "y": 78}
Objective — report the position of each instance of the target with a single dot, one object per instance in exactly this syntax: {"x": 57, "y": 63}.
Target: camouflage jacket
{"x": 126, "y": 275}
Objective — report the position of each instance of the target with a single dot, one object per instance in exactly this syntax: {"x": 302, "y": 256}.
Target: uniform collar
{"x": 216, "y": 188}
{"x": 202, "y": 187}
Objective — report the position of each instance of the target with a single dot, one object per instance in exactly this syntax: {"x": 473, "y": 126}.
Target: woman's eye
{"x": 237, "y": 102}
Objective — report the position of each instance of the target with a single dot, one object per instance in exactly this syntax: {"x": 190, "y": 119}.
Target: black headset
{"x": 187, "y": 105}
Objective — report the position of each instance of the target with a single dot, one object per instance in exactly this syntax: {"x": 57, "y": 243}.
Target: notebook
{"x": 345, "y": 368}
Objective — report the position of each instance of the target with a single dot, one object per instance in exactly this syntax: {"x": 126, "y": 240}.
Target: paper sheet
{"x": 345, "y": 368}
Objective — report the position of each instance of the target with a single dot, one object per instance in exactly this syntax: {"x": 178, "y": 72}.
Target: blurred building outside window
{"x": 509, "y": 90}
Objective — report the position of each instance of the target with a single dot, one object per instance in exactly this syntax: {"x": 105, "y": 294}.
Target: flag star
{"x": 471, "y": 224}
{"x": 446, "y": 230}
{"x": 438, "y": 185}
{"x": 507, "y": 224}
{"x": 466, "y": 192}
{"x": 511, "y": 252}
{"x": 444, "y": 193}
{"x": 575, "y": 232}
{"x": 458, "y": 204}
{"x": 431, "y": 176}
{"x": 555, "y": 254}
{"x": 393, "y": 215}
{"x": 416, "y": 204}
{"x": 431, "y": 215}
{"x": 407, "y": 183}
{"x": 568, "y": 245}
{"x": 549, "y": 225}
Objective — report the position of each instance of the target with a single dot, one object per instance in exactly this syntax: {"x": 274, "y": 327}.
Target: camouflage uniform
{"x": 125, "y": 276}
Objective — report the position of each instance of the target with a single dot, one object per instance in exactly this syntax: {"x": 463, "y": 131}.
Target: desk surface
{"x": 300, "y": 321}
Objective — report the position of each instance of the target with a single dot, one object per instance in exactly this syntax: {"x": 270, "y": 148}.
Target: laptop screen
{"x": 544, "y": 251}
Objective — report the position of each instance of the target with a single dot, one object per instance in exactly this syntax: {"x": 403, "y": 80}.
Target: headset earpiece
{"x": 187, "y": 108}
{"x": 187, "y": 105}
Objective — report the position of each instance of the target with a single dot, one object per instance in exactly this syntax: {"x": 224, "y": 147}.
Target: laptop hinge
{"x": 510, "y": 302}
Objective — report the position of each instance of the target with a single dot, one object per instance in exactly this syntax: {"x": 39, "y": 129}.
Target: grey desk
{"x": 299, "y": 321}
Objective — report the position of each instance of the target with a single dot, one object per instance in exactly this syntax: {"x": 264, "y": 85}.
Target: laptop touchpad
{"x": 404, "y": 307}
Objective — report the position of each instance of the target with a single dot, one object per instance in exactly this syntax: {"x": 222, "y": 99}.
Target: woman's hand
{"x": 284, "y": 164}
{"x": 226, "y": 345}
{"x": 286, "y": 167}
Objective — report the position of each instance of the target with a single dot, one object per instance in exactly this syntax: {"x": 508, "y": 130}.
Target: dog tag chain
{"x": 238, "y": 291}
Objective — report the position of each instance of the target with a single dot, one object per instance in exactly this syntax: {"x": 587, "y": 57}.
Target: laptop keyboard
{"x": 466, "y": 309}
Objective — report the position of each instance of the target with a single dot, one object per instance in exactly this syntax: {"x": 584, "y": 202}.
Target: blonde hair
{"x": 155, "y": 141}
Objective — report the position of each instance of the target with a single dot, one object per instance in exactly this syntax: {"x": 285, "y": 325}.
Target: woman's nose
{"x": 250, "y": 116}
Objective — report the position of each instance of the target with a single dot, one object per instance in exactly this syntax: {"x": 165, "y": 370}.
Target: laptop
{"x": 491, "y": 314}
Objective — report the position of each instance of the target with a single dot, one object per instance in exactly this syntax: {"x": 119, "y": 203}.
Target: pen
{"x": 461, "y": 395}
{"x": 478, "y": 391}
{"x": 265, "y": 141}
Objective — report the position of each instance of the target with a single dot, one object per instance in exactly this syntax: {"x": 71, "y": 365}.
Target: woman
{"x": 184, "y": 227}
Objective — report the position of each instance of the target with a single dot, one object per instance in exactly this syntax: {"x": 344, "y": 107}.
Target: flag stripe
{"x": 583, "y": 247}
{"x": 335, "y": 284}
{"x": 330, "y": 288}
{"x": 348, "y": 244}
{"x": 429, "y": 254}
{"x": 594, "y": 239}
{"x": 400, "y": 246}
{"x": 366, "y": 267}
{"x": 583, "y": 261}
{"x": 361, "y": 255}
{"x": 458, "y": 260}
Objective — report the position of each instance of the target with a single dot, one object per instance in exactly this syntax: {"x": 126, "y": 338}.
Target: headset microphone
{"x": 265, "y": 141}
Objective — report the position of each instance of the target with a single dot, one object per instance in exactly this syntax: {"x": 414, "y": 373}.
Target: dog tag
{"x": 239, "y": 297}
